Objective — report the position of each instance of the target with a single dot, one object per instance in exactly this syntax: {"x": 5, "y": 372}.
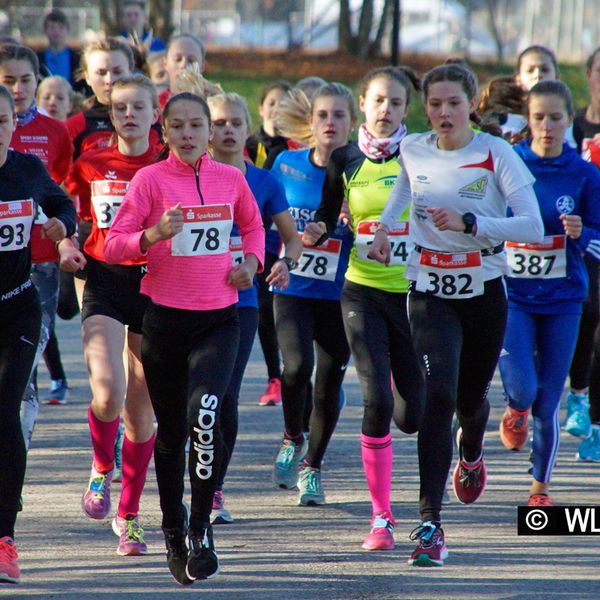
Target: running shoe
{"x": 220, "y": 515}
{"x": 9, "y": 565}
{"x": 118, "y": 471}
{"x": 540, "y": 500}
{"x": 59, "y": 392}
{"x": 578, "y": 422}
{"x": 285, "y": 470}
{"x": 381, "y": 536}
{"x": 468, "y": 482}
{"x": 272, "y": 395}
{"x": 177, "y": 551}
{"x": 131, "y": 536}
{"x": 96, "y": 499}
{"x": 513, "y": 428}
{"x": 311, "y": 489}
{"x": 202, "y": 562}
{"x": 431, "y": 550}
{"x": 589, "y": 449}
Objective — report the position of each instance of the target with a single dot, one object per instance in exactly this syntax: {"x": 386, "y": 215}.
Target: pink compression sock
{"x": 103, "y": 441}
{"x": 136, "y": 458}
{"x": 377, "y": 461}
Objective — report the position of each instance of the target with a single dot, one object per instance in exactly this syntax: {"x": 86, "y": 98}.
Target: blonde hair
{"x": 232, "y": 99}
{"x": 295, "y": 110}
{"x": 139, "y": 81}
{"x": 109, "y": 44}
{"x": 191, "y": 80}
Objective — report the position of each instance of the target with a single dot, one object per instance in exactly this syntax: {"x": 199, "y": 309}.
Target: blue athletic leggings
{"x": 534, "y": 364}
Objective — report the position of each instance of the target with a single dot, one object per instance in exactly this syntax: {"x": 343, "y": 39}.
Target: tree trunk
{"x": 492, "y": 13}
{"x": 364, "y": 29}
{"x": 161, "y": 18}
{"x": 385, "y": 18}
{"x": 109, "y": 16}
{"x": 345, "y": 37}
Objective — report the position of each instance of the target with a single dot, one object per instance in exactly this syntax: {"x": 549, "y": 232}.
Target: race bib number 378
{"x": 205, "y": 231}
{"x": 456, "y": 275}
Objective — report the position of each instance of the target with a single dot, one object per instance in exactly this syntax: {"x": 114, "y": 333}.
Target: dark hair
{"x": 17, "y": 52}
{"x": 139, "y": 3}
{"x": 456, "y": 73}
{"x": 282, "y": 85}
{"x": 538, "y": 50}
{"x": 405, "y": 76}
{"x": 56, "y": 16}
{"x": 189, "y": 36}
{"x": 164, "y": 153}
{"x": 502, "y": 95}
{"x": 7, "y": 95}
{"x": 591, "y": 58}
{"x": 553, "y": 88}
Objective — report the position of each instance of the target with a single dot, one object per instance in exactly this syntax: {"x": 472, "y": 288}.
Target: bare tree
{"x": 360, "y": 42}
{"x": 492, "y": 6}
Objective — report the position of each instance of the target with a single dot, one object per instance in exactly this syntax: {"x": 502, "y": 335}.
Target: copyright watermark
{"x": 559, "y": 520}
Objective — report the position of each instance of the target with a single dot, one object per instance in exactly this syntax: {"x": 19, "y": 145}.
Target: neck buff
{"x": 29, "y": 115}
{"x": 380, "y": 148}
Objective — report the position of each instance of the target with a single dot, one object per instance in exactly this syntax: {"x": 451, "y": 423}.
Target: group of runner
{"x": 430, "y": 258}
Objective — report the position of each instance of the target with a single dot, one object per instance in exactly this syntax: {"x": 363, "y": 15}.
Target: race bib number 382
{"x": 16, "y": 219}
{"x": 206, "y": 231}
{"x": 457, "y": 275}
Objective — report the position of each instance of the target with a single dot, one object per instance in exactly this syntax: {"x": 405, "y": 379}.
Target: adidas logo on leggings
{"x": 204, "y": 447}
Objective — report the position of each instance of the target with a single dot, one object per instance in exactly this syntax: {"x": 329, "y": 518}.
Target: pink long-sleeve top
{"x": 186, "y": 282}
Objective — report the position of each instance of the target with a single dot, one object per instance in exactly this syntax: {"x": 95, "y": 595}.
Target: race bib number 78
{"x": 206, "y": 231}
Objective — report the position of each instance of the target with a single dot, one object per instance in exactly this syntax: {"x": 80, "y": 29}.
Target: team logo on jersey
{"x": 111, "y": 175}
{"x": 565, "y": 205}
{"x": 388, "y": 181}
{"x": 475, "y": 189}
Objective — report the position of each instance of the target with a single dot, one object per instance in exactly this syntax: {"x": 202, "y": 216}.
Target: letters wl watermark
{"x": 559, "y": 520}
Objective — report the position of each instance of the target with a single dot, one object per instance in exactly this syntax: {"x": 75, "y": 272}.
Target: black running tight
{"x": 188, "y": 359}
{"x": 458, "y": 343}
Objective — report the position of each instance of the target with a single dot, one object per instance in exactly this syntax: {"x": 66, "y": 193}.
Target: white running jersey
{"x": 485, "y": 177}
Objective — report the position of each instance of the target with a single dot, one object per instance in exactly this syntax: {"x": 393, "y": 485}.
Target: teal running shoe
{"x": 311, "y": 489}
{"x": 589, "y": 449}
{"x": 578, "y": 415}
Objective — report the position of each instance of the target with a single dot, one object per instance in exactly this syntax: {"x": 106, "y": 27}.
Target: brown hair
{"x": 535, "y": 49}
{"x": 7, "y": 95}
{"x": 18, "y": 52}
{"x": 282, "y": 85}
{"x": 405, "y": 76}
{"x": 139, "y": 81}
{"x": 553, "y": 87}
{"x": 110, "y": 44}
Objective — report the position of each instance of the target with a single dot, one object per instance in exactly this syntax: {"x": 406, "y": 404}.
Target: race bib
{"x": 206, "y": 231}
{"x": 398, "y": 237}
{"x": 318, "y": 262}
{"x": 43, "y": 249}
{"x": 456, "y": 275}
{"x": 237, "y": 253}
{"x": 16, "y": 219}
{"x": 547, "y": 260}
{"x": 107, "y": 196}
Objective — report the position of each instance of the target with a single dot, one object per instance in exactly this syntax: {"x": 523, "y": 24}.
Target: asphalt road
{"x": 277, "y": 550}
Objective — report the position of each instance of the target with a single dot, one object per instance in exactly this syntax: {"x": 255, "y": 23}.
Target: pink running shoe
{"x": 131, "y": 536}
{"x": 9, "y": 567}
{"x": 272, "y": 396}
{"x": 96, "y": 499}
{"x": 540, "y": 500}
{"x": 381, "y": 536}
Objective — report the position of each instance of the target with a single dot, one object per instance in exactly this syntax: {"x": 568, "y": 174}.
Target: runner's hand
{"x": 572, "y": 225}
{"x": 55, "y": 229}
{"x": 279, "y": 277}
{"x": 312, "y": 232}
{"x": 446, "y": 219}
{"x": 380, "y": 249}
{"x": 171, "y": 222}
{"x": 241, "y": 276}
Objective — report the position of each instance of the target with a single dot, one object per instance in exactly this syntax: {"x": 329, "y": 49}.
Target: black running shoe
{"x": 203, "y": 562}
{"x": 177, "y": 554}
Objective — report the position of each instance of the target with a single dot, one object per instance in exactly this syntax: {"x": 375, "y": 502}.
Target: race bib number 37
{"x": 398, "y": 238}
{"x": 107, "y": 196}
{"x": 205, "y": 231}
{"x": 16, "y": 219}
{"x": 451, "y": 275}
{"x": 547, "y": 260}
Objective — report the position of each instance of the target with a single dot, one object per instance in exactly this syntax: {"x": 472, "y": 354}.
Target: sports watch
{"x": 290, "y": 262}
{"x": 469, "y": 219}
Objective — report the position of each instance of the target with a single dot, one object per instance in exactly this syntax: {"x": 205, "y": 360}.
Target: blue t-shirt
{"x": 59, "y": 63}
{"x": 565, "y": 184}
{"x": 271, "y": 200}
{"x": 320, "y": 273}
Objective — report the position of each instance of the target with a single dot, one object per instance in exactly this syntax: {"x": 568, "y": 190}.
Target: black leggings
{"x": 581, "y": 364}
{"x": 229, "y": 410}
{"x": 299, "y": 323}
{"x": 458, "y": 343}
{"x": 20, "y": 325}
{"x": 188, "y": 359}
{"x": 266, "y": 319}
{"x": 52, "y": 358}
{"x": 377, "y": 328}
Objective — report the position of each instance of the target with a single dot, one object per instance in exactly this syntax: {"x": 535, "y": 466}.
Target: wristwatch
{"x": 469, "y": 219}
{"x": 290, "y": 262}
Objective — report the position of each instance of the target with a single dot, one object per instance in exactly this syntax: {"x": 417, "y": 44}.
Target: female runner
{"x": 459, "y": 184}
{"x": 179, "y": 213}
{"x": 374, "y": 298}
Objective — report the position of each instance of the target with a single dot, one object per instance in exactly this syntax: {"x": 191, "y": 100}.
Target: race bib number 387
{"x": 16, "y": 219}
{"x": 451, "y": 275}
{"x": 107, "y": 196}
{"x": 205, "y": 231}
{"x": 547, "y": 260}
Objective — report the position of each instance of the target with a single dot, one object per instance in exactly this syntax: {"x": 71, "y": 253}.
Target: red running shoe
{"x": 9, "y": 567}
{"x": 272, "y": 395}
{"x": 540, "y": 500}
{"x": 431, "y": 550}
{"x": 513, "y": 428}
{"x": 468, "y": 482}
{"x": 381, "y": 536}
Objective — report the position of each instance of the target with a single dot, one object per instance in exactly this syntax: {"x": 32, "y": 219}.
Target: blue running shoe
{"x": 59, "y": 391}
{"x": 578, "y": 415}
{"x": 118, "y": 471}
{"x": 589, "y": 449}
{"x": 285, "y": 470}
